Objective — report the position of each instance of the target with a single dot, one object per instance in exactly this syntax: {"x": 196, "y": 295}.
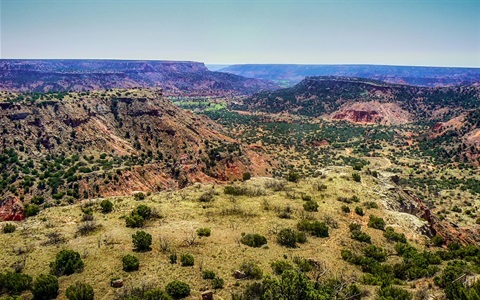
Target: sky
{"x": 403, "y": 32}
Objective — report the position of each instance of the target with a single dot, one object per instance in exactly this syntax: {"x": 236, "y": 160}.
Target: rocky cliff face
{"x": 113, "y": 143}
{"x": 175, "y": 77}
{"x": 373, "y": 113}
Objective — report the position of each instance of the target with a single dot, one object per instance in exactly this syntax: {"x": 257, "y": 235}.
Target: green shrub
{"x": 393, "y": 293}
{"x": 178, "y": 289}
{"x": 173, "y": 258}
{"x": 187, "y": 260}
{"x": 45, "y": 287}
{"x": 15, "y": 283}
{"x": 376, "y": 222}
{"x": 218, "y": 283}
{"x": 345, "y": 209}
{"x": 437, "y": 241}
{"x": 356, "y": 177}
{"x": 281, "y": 266}
{"x": 80, "y": 291}
{"x": 203, "y": 232}
{"x": 139, "y": 196}
{"x": 156, "y": 294}
{"x": 310, "y": 206}
{"x": 287, "y": 237}
{"x": 246, "y": 176}
{"x": 253, "y": 240}
{"x": 134, "y": 221}
{"x": 360, "y": 236}
{"x": 354, "y": 226}
{"x": 377, "y": 253}
{"x": 130, "y": 263}
{"x": 9, "y": 228}
{"x": 208, "y": 274}
{"x": 293, "y": 176}
{"x": 315, "y": 228}
{"x": 66, "y": 262}
{"x": 106, "y": 206}
{"x": 143, "y": 211}
{"x": 31, "y": 210}
{"x": 207, "y": 197}
{"x": 371, "y": 204}
{"x": 393, "y": 236}
{"x": 142, "y": 241}
{"x": 359, "y": 211}
{"x": 251, "y": 270}
{"x": 38, "y": 200}
{"x": 306, "y": 197}
{"x": 303, "y": 264}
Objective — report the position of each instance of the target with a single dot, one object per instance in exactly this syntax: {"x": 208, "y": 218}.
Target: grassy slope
{"x": 182, "y": 215}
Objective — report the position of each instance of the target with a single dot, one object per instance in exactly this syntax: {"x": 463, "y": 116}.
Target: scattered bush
{"x": 15, "y": 283}
{"x": 130, "y": 263}
{"x": 218, "y": 283}
{"x": 251, "y": 270}
{"x": 66, "y": 262}
{"x": 345, "y": 209}
{"x": 80, "y": 291}
{"x": 288, "y": 237}
{"x": 437, "y": 241}
{"x": 393, "y": 236}
{"x": 38, "y": 200}
{"x": 31, "y": 210}
{"x": 354, "y": 226}
{"x": 139, "y": 196}
{"x": 142, "y": 241}
{"x": 187, "y": 260}
{"x": 356, "y": 177}
{"x": 303, "y": 264}
{"x": 253, "y": 240}
{"x": 203, "y": 231}
{"x": 134, "y": 221}
{"x": 143, "y": 211}
{"x": 315, "y": 228}
{"x": 106, "y": 206}
{"x": 281, "y": 266}
{"x": 156, "y": 294}
{"x": 359, "y": 211}
{"x": 9, "y": 228}
{"x": 390, "y": 293}
{"x": 377, "y": 253}
{"x": 361, "y": 236}
{"x": 376, "y": 222}
{"x": 45, "y": 287}
{"x": 310, "y": 206}
{"x": 173, "y": 258}
{"x": 88, "y": 227}
{"x": 208, "y": 274}
{"x": 371, "y": 204}
{"x": 246, "y": 176}
{"x": 275, "y": 185}
{"x": 178, "y": 289}
{"x": 293, "y": 176}
{"x": 207, "y": 196}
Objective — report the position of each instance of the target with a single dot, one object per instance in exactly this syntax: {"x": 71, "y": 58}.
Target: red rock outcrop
{"x": 11, "y": 209}
{"x": 372, "y": 112}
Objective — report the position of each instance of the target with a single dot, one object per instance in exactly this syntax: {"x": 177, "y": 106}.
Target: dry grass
{"x": 182, "y": 213}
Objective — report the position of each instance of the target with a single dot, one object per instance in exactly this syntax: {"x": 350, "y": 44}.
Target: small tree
{"x": 253, "y": 240}
{"x": 80, "y": 291}
{"x": 376, "y": 222}
{"x": 246, "y": 176}
{"x": 134, "y": 221}
{"x": 187, "y": 260}
{"x": 107, "y": 206}
{"x": 130, "y": 263}
{"x": 142, "y": 241}
{"x": 31, "y": 210}
{"x": 45, "y": 287}
{"x": 287, "y": 237}
{"x": 66, "y": 262}
{"x": 356, "y": 177}
{"x": 178, "y": 289}
{"x": 9, "y": 228}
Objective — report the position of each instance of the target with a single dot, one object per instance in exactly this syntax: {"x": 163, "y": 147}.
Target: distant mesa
{"x": 175, "y": 77}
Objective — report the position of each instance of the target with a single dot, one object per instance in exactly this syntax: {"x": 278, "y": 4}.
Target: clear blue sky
{"x": 406, "y": 32}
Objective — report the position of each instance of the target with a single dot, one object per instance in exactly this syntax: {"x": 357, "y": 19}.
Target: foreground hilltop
{"x": 175, "y": 77}
{"x": 71, "y": 146}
